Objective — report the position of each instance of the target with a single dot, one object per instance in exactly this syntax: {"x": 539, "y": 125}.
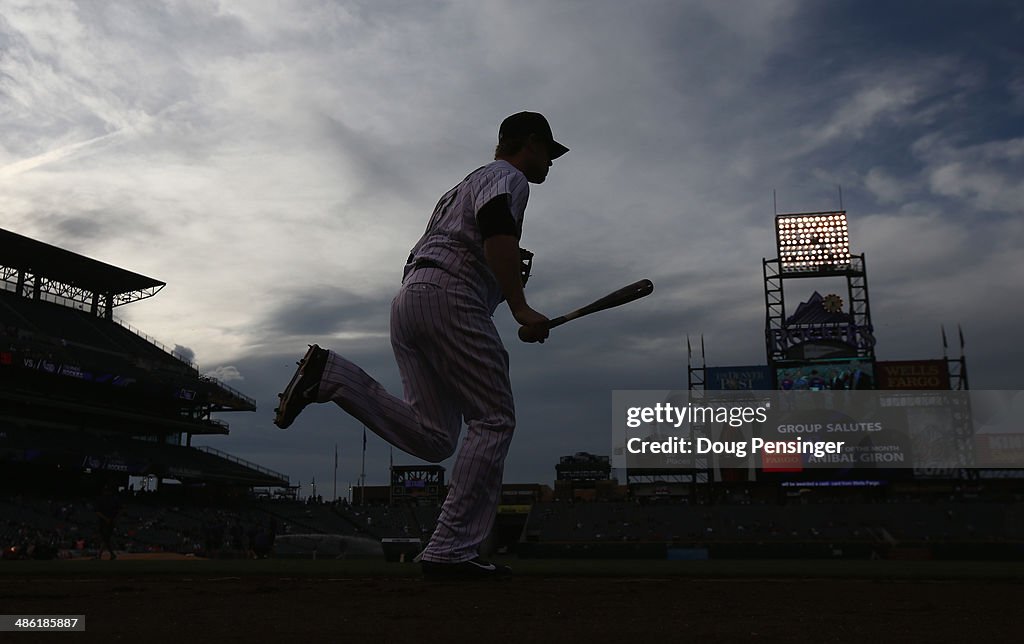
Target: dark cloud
{"x": 326, "y": 311}
{"x": 275, "y": 163}
{"x": 80, "y": 230}
{"x": 185, "y": 353}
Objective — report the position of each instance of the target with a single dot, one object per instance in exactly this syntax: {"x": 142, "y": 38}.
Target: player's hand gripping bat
{"x": 624, "y": 295}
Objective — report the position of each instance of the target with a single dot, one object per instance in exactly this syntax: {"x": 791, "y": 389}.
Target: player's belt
{"x": 429, "y": 263}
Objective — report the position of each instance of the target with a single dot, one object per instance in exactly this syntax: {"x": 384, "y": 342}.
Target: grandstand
{"x": 87, "y": 400}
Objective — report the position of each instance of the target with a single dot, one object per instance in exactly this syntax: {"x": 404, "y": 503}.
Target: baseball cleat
{"x": 474, "y": 569}
{"x": 303, "y": 387}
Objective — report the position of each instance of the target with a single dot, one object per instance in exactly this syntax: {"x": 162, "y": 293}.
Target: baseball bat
{"x": 624, "y": 295}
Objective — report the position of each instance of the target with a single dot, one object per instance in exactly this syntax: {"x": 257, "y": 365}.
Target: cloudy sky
{"x": 273, "y": 162}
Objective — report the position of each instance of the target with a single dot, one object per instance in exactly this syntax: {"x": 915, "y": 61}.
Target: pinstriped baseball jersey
{"x": 453, "y": 364}
{"x": 452, "y": 240}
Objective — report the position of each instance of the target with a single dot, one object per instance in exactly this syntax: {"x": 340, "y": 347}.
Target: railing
{"x": 156, "y": 343}
{"x": 243, "y": 462}
{"x": 69, "y": 303}
{"x": 232, "y": 391}
{"x": 193, "y": 365}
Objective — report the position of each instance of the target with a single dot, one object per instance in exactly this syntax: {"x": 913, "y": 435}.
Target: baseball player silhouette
{"x": 453, "y": 364}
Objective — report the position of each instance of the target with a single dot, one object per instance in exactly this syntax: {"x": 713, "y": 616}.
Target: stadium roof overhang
{"x": 64, "y": 274}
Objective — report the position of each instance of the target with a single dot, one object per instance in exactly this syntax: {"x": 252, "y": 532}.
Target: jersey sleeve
{"x": 495, "y": 218}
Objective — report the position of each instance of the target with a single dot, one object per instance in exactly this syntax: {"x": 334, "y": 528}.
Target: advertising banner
{"x": 912, "y": 374}
{"x": 757, "y": 377}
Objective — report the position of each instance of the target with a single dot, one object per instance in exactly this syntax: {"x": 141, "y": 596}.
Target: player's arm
{"x": 502, "y": 252}
{"x": 501, "y": 249}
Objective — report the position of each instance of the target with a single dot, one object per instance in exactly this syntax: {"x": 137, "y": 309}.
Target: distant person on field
{"x": 108, "y": 508}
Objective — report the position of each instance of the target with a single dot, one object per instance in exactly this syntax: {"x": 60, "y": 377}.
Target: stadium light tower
{"x": 813, "y": 242}
{"x": 813, "y": 245}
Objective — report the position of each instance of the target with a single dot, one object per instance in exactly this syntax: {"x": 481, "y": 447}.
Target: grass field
{"x": 546, "y": 600}
{"x": 563, "y": 568}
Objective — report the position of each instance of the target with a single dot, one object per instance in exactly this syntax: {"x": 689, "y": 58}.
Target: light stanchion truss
{"x": 37, "y": 270}
{"x": 51, "y": 290}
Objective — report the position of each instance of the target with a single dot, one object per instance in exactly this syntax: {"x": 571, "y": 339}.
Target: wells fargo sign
{"x": 912, "y": 374}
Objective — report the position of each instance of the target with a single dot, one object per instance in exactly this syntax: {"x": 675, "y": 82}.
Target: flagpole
{"x": 362, "y": 486}
{"x": 963, "y": 359}
{"x": 335, "y": 472}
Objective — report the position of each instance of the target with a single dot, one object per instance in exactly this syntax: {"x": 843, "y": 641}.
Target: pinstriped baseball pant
{"x": 453, "y": 367}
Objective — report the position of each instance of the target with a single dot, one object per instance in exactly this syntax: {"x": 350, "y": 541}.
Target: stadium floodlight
{"x": 814, "y": 242}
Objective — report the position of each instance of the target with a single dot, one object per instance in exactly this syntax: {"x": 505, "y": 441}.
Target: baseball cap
{"x": 524, "y": 124}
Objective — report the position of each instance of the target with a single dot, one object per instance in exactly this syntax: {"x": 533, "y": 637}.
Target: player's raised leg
{"x": 302, "y": 388}
{"x": 427, "y": 422}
